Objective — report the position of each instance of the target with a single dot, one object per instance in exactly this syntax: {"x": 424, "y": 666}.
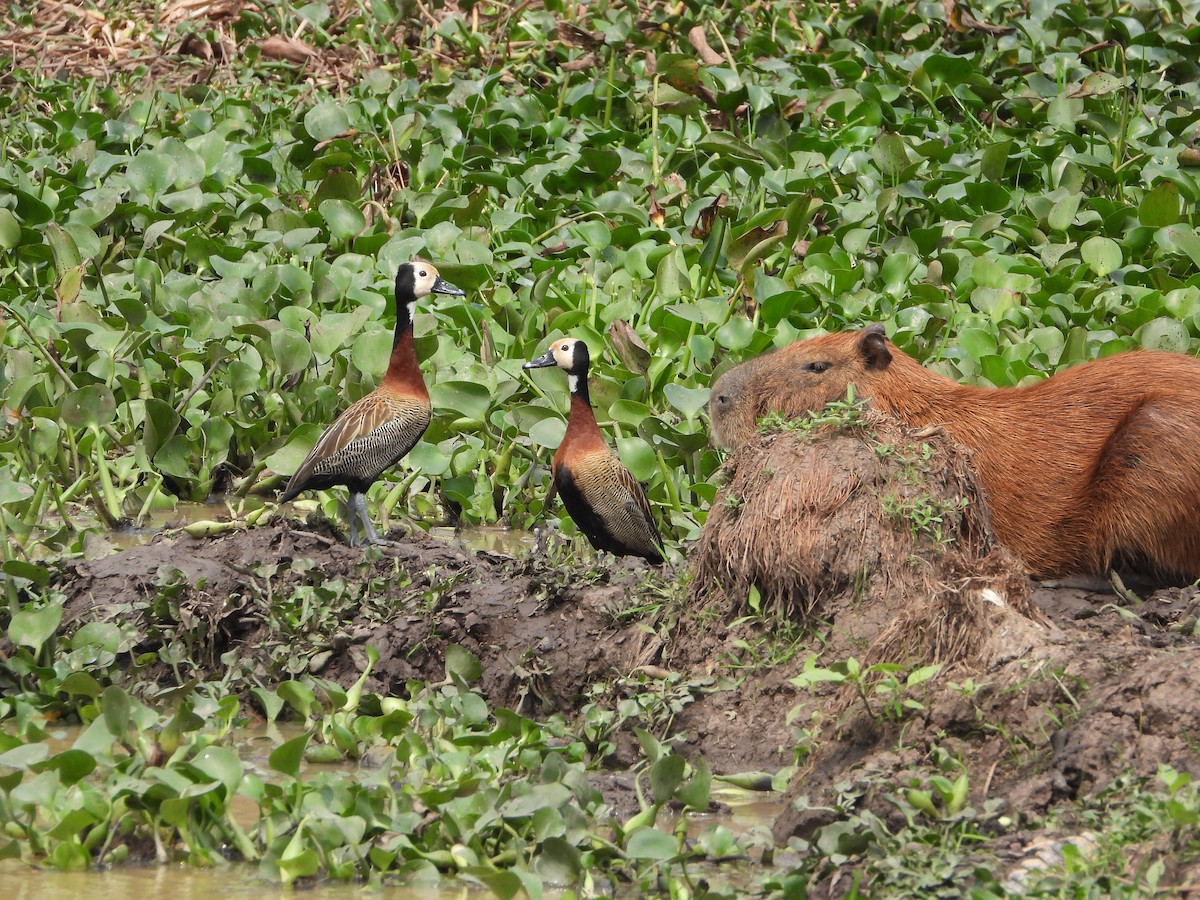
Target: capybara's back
{"x": 1097, "y": 467}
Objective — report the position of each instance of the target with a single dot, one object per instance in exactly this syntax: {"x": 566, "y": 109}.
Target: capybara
{"x": 1092, "y": 469}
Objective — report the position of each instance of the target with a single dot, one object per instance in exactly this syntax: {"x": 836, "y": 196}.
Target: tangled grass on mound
{"x": 860, "y": 519}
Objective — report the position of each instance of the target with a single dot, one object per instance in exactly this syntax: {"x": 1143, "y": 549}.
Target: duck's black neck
{"x": 578, "y": 382}
{"x": 404, "y": 322}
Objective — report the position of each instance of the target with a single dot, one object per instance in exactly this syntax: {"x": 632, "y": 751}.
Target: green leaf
{"x": 88, "y": 406}
{"x": 326, "y": 121}
{"x": 890, "y": 155}
{"x": 652, "y": 844}
{"x": 62, "y": 246}
{"x": 468, "y": 399}
{"x": 1187, "y": 240}
{"x": 1160, "y": 206}
{"x": 345, "y": 220}
{"x": 461, "y": 664}
{"x": 1062, "y": 214}
{"x": 115, "y": 705}
{"x": 151, "y": 173}
{"x": 1165, "y": 334}
{"x": 221, "y": 764}
{"x": 33, "y": 627}
{"x": 638, "y": 456}
{"x": 10, "y": 230}
{"x": 371, "y": 352}
{"x": 689, "y": 401}
{"x": 71, "y": 765}
{"x": 286, "y": 758}
{"x": 1102, "y": 254}
{"x": 291, "y": 351}
{"x": 665, "y": 776}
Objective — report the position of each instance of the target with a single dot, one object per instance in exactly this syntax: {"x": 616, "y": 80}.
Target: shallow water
{"x": 491, "y": 539}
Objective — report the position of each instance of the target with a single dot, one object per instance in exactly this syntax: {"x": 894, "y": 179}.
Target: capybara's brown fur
{"x": 1095, "y": 468}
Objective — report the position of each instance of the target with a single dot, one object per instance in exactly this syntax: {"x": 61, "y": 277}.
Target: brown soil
{"x": 1041, "y": 710}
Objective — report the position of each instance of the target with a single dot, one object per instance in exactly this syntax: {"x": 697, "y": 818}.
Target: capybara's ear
{"x": 872, "y": 344}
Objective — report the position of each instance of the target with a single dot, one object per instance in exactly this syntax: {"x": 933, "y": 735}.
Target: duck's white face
{"x": 425, "y": 277}
{"x": 564, "y": 352}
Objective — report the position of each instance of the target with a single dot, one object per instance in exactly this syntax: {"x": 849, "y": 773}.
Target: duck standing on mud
{"x": 374, "y": 433}
{"x": 603, "y": 498}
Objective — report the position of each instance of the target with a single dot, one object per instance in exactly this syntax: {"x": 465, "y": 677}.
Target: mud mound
{"x": 827, "y": 523}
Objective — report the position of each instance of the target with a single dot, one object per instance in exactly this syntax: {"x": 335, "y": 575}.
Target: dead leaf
{"x": 657, "y": 216}
{"x": 708, "y": 215}
{"x": 587, "y": 61}
{"x": 699, "y": 42}
{"x": 632, "y": 351}
{"x": 576, "y": 36}
{"x": 291, "y": 49}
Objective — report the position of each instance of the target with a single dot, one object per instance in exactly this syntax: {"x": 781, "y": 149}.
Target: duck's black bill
{"x": 442, "y": 286}
{"x": 542, "y": 362}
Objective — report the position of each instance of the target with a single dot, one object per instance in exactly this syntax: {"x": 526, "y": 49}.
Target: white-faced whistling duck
{"x": 374, "y": 433}
{"x": 602, "y": 496}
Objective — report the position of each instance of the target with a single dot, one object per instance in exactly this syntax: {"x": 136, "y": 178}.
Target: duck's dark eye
{"x": 424, "y": 274}
{"x": 816, "y": 366}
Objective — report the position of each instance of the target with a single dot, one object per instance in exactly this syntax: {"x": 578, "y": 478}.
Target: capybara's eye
{"x": 722, "y": 398}
{"x": 816, "y": 366}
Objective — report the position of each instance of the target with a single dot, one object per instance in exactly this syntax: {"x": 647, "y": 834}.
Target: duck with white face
{"x": 373, "y": 434}
{"x": 602, "y": 497}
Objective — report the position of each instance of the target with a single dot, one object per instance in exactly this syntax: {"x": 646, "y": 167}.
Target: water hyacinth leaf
{"x": 462, "y": 665}
{"x": 288, "y": 458}
{"x": 1187, "y": 240}
{"x": 688, "y": 401}
{"x": 665, "y": 776}
{"x": 151, "y": 173}
{"x": 1160, "y": 206}
{"x": 31, "y": 572}
{"x": 93, "y": 405}
{"x": 10, "y": 230}
{"x": 345, "y": 220}
{"x": 32, "y": 628}
{"x": 14, "y": 492}
{"x": 1062, "y": 215}
{"x": 468, "y": 399}
{"x": 638, "y": 456}
{"x": 548, "y": 432}
{"x": 1102, "y": 254}
{"x": 301, "y": 697}
{"x": 71, "y": 765}
{"x": 652, "y": 845}
{"x": 160, "y": 424}
{"x": 291, "y": 351}
{"x": 80, "y": 684}
{"x": 221, "y": 764}
{"x": 371, "y": 351}
{"x": 287, "y": 757}
{"x": 750, "y": 246}
{"x": 1164, "y": 334}
{"x": 115, "y": 706}
{"x": 670, "y": 279}
{"x": 890, "y": 156}
{"x": 559, "y": 862}
{"x": 326, "y": 121}
{"x": 63, "y": 248}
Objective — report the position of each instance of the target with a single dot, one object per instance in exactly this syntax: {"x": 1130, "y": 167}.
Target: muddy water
{"x": 183, "y": 883}
{"x": 491, "y": 539}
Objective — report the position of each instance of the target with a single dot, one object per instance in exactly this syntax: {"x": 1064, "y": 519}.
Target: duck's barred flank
{"x": 365, "y": 458}
{"x": 609, "y": 506}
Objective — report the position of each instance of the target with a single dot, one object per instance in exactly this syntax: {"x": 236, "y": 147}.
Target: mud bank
{"x": 1044, "y": 713}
